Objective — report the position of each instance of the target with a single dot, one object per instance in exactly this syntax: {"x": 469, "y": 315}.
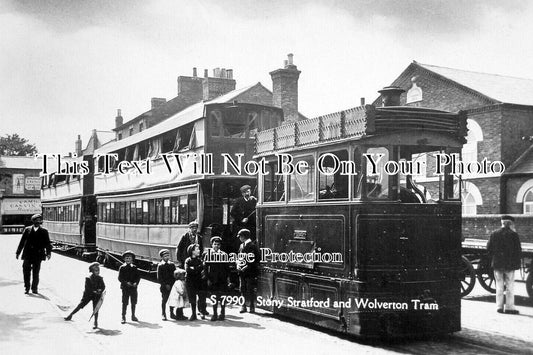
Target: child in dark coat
{"x": 165, "y": 277}
{"x": 194, "y": 280}
{"x": 94, "y": 286}
{"x": 129, "y": 278}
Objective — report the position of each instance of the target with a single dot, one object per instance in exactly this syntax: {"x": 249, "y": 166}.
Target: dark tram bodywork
{"x": 401, "y": 248}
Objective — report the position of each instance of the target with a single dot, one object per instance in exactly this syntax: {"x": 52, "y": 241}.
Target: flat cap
{"x": 245, "y": 187}
{"x": 164, "y": 252}
{"x": 128, "y": 252}
{"x": 190, "y": 248}
{"x": 216, "y": 238}
{"x": 245, "y": 233}
{"x": 35, "y": 216}
{"x": 92, "y": 265}
{"x": 193, "y": 223}
{"x": 508, "y": 218}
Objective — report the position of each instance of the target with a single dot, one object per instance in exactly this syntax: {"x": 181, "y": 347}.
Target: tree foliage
{"x": 13, "y": 144}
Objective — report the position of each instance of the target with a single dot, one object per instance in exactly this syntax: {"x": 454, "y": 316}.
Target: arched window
{"x": 475, "y": 135}
{"x": 528, "y": 202}
{"x": 471, "y": 198}
{"x": 469, "y": 204}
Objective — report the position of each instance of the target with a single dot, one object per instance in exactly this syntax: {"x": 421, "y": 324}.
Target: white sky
{"x": 66, "y": 66}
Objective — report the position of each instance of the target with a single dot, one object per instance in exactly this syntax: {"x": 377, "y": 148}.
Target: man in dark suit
{"x": 189, "y": 238}
{"x": 243, "y": 211}
{"x": 35, "y": 247}
{"x": 505, "y": 250}
{"x": 248, "y": 268}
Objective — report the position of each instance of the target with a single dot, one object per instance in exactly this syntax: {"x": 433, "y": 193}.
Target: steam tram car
{"x": 177, "y": 179}
{"x": 376, "y": 248}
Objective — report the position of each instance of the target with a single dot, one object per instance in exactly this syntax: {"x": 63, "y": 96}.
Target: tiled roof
{"x": 505, "y": 89}
{"x": 19, "y": 162}
{"x": 522, "y": 165}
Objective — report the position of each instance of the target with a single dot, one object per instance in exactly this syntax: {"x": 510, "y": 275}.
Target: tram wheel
{"x": 468, "y": 277}
{"x": 485, "y": 275}
{"x": 529, "y": 284}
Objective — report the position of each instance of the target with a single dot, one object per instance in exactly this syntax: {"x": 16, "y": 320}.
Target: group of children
{"x": 178, "y": 287}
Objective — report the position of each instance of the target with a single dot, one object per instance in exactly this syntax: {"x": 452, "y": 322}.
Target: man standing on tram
{"x": 191, "y": 237}
{"x": 243, "y": 211}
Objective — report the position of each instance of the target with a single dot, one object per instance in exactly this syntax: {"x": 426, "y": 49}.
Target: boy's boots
{"x": 222, "y": 312}
{"x": 214, "y": 317}
{"x": 133, "y": 318}
{"x": 95, "y": 321}
{"x": 69, "y": 317}
{"x": 124, "y": 307}
{"x": 172, "y": 315}
{"x": 193, "y": 309}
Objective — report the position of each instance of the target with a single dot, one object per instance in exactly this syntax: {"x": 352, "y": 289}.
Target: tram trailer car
{"x": 69, "y": 208}
{"x": 400, "y": 247}
{"x": 145, "y": 212}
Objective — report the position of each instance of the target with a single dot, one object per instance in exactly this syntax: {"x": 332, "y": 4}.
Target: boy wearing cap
{"x": 129, "y": 278}
{"x": 189, "y": 238}
{"x": 505, "y": 251}
{"x": 35, "y": 247}
{"x": 248, "y": 269}
{"x": 94, "y": 286}
{"x": 194, "y": 280}
{"x": 165, "y": 277}
{"x": 217, "y": 271}
{"x": 243, "y": 211}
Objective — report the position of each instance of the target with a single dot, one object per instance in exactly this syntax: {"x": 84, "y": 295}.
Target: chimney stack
{"x": 118, "y": 120}
{"x": 157, "y": 101}
{"x": 285, "y": 89}
{"x": 206, "y": 73}
{"x": 221, "y": 83}
{"x": 194, "y": 72}
{"x": 77, "y": 146}
{"x": 390, "y": 95}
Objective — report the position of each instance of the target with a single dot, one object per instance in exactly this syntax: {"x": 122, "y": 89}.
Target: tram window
{"x": 166, "y": 211}
{"x": 182, "y": 210}
{"x": 332, "y": 184}
{"x": 146, "y": 212}
{"x": 234, "y": 124}
{"x": 167, "y": 141}
{"x": 127, "y": 212}
{"x": 159, "y": 211}
{"x": 192, "y": 208}
{"x": 123, "y": 212}
{"x": 106, "y": 212}
{"x": 302, "y": 187}
{"x": 273, "y": 185}
{"x": 377, "y": 180}
{"x": 140, "y": 211}
{"x": 133, "y": 212}
{"x": 174, "y": 210}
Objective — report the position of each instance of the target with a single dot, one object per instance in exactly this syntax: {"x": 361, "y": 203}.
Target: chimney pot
{"x": 362, "y": 101}
{"x": 119, "y": 120}
{"x": 223, "y": 73}
{"x": 194, "y": 73}
{"x": 289, "y": 56}
{"x": 206, "y": 74}
{"x": 390, "y": 95}
{"x": 230, "y": 73}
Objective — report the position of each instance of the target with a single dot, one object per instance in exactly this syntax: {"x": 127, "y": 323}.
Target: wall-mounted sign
{"x": 18, "y": 184}
{"x": 414, "y": 94}
{"x": 33, "y": 183}
{"x": 20, "y": 206}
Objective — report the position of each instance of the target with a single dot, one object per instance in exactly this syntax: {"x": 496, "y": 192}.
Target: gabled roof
{"x": 188, "y": 115}
{"x": 522, "y": 165}
{"x": 15, "y": 162}
{"x": 503, "y": 89}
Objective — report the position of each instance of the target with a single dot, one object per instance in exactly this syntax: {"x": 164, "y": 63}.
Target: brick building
{"x": 19, "y": 192}
{"x": 194, "y": 89}
{"x": 500, "y": 122}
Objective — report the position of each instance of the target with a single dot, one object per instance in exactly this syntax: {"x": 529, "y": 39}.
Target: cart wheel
{"x": 468, "y": 277}
{"x": 529, "y": 283}
{"x": 485, "y": 275}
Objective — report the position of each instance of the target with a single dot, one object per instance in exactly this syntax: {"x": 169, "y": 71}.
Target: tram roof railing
{"x": 358, "y": 122}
